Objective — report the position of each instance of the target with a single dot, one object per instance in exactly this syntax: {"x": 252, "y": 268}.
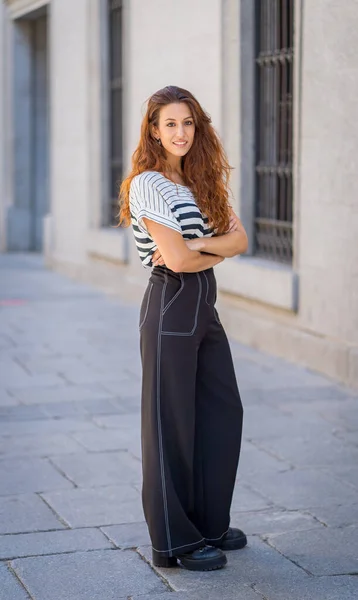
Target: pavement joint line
{"x": 18, "y": 362}
{"x": 68, "y": 528}
{"x": 57, "y": 515}
{"x": 338, "y": 478}
{"x": 61, "y": 553}
{"x": 269, "y": 452}
{"x": 259, "y": 493}
{"x": 319, "y": 520}
{"x": 61, "y": 472}
{"x": 332, "y": 575}
{"x": 267, "y": 542}
{"x": 13, "y": 571}
{"x": 253, "y": 587}
{"x": 158, "y": 574}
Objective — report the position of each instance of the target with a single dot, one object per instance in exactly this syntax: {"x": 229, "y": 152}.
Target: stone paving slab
{"x": 280, "y": 424}
{"x": 246, "y": 499}
{"x": 128, "y": 535}
{"x": 271, "y": 522}
{"x": 290, "y": 398}
{"x": 347, "y": 473}
{"x": 129, "y": 387}
{"x": 97, "y": 469}
{"x": 26, "y": 512}
{"x": 6, "y": 399}
{"x": 107, "y": 505}
{"x": 81, "y": 408}
{"x": 19, "y": 412}
{"x": 35, "y": 445}
{"x": 52, "y": 542}
{"x": 254, "y": 463}
{"x": 131, "y": 421}
{"x": 103, "y": 440}
{"x": 322, "y": 451}
{"x": 10, "y": 587}
{"x": 47, "y": 426}
{"x": 330, "y": 551}
{"x": 226, "y": 593}
{"x": 60, "y": 393}
{"x": 304, "y": 489}
{"x": 97, "y": 575}
{"x": 312, "y": 588}
{"x": 21, "y": 475}
{"x": 17, "y": 384}
{"x": 256, "y": 563}
{"x": 336, "y": 516}
{"x": 347, "y": 436}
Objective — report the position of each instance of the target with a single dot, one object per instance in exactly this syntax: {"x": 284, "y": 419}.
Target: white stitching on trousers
{"x": 218, "y": 538}
{"x": 185, "y": 545}
{"x": 160, "y": 438}
{"x": 191, "y": 333}
{"x": 198, "y": 542}
{"x": 146, "y": 311}
{"x": 175, "y": 295}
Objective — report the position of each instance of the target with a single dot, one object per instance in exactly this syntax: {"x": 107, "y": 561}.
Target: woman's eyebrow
{"x": 170, "y": 119}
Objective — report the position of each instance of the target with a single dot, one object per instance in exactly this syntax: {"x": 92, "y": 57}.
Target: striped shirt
{"x": 154, "y": 196}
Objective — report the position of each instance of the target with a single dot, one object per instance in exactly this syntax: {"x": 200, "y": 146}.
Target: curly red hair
{"x": 206, "y": 170}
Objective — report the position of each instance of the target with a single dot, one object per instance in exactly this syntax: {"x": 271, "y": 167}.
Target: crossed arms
{"x": 197, "y": 254}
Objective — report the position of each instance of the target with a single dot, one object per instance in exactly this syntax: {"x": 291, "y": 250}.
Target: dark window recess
{"x": 115, "y": 105}
{"x": 274, "y": 60}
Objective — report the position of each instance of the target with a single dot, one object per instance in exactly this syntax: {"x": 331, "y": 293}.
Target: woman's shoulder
{"x": 150, "y": 178}
{"x": 146, "y": 187}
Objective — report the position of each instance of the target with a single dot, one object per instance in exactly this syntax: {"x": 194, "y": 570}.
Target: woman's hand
{"x": 157, "y": 259}
{"x": 234, "y": 223}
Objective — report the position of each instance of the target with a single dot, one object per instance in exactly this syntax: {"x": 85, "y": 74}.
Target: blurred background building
{"x": 280, "y": 80}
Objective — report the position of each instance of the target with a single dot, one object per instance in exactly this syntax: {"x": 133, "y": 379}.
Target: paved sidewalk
{"x": 71, "y": 522}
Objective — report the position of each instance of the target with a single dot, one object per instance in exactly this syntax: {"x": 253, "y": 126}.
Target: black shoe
{"x": 207, "y": 558}
{"x": 234, "y": 539}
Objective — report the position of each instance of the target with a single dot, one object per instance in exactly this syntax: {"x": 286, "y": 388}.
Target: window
{"x": 115, "y": 106}
{"x": 274, "y": 60}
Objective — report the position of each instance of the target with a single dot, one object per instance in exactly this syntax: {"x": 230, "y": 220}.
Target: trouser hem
{"x": 181, "y": 550}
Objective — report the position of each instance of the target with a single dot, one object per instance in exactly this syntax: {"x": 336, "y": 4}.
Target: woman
{"x": 176, "y": 198}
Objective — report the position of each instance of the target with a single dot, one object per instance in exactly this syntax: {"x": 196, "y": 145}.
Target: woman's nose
{"x": 180, "y": 130}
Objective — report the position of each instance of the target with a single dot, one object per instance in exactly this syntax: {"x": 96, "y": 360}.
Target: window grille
{"x": 115, "y": 105}
{"x": 274, "y": 60}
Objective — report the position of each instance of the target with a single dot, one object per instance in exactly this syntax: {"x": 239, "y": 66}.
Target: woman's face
{"x": 176, "y": 128}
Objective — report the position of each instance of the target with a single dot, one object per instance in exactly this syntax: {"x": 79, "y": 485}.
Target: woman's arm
{"x": 227, "y": 245}
{"x": 176, "y": 255}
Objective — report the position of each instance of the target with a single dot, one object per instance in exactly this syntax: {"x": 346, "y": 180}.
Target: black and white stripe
{"x": 154, "y": 196}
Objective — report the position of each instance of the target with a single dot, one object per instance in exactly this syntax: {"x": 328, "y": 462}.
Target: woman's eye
{"x": 186, "y": 123}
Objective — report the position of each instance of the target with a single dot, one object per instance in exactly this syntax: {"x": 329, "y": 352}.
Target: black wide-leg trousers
{"x": 191, "y": 413}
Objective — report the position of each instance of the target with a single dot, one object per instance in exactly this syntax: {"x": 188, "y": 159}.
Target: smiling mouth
{"x": 180, "y": 143}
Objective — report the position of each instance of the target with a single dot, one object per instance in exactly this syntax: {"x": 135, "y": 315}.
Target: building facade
{"x": 279, "y": 79}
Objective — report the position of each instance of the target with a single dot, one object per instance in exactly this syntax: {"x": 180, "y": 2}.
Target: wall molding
{"x": 20, "y": 8}
{"x": 267, "y": 282}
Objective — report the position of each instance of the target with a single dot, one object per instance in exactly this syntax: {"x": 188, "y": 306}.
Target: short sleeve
{"x": 147, "y": 201}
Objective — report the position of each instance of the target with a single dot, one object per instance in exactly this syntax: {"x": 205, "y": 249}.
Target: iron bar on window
{"x": 115, "y": 99}
{"x": 274, "y": 60}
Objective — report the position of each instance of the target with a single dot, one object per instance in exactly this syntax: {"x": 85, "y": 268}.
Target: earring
{"x": 159, "y": 141}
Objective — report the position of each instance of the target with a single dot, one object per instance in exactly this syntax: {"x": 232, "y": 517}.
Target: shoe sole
{"x": 236, "y": 544}
{"x": 207, "y": 565}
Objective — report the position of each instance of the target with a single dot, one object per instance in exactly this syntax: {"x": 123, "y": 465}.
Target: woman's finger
{"x": 156, "y": 255}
